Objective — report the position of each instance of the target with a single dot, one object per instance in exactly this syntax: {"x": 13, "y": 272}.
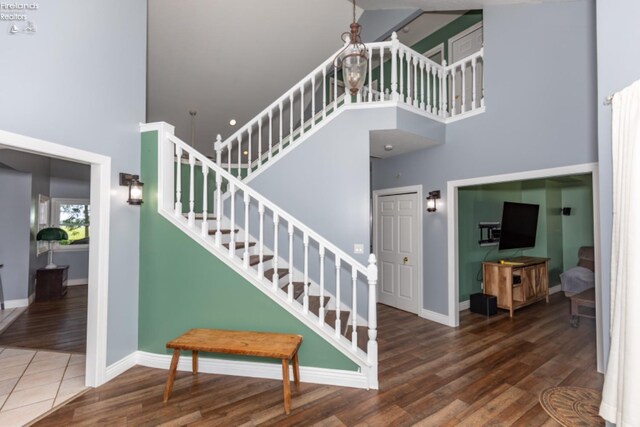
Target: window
{"x": 43, "y": 222}
{"x": 72, "y": 215}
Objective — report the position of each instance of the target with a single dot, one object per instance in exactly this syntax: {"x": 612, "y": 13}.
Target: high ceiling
{"x": 438, "y": 5}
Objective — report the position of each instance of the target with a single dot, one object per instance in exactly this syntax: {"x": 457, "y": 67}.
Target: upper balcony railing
{"x": 396, "y": 75}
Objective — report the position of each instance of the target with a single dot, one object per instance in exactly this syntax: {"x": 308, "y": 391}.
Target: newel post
{"x": 372, "y": 344}
{"x": 217, "y": 146}
{"x": 394, "y": 67}
{"x": 166, "y": 168}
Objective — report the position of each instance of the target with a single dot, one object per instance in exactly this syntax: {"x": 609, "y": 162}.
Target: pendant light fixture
{"x": 353, "y": 58}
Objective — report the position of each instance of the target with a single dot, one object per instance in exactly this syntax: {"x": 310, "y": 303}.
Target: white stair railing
{"x": 396, "y": 74}
{"x": 270, "y": 232}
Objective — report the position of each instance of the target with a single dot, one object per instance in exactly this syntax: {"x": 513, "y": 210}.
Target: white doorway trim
{"x": 436, "y": 49}
{"x": 98, "y": 245}
{"x": 419, "y": 215}
{"x": 460, "y": 35}
{"x": 452, "y": 234}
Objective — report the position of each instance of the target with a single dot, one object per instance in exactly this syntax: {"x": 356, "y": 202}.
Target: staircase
{"x": 397, "y": 76}
{"x": 313, "y": 279}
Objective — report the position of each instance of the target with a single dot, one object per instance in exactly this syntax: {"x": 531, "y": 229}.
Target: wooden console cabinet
{"x": 517, "y": 282}
{"x": 51, "y": 283}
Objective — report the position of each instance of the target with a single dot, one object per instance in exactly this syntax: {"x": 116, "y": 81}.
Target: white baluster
{"x": 321, "y": 312}
{"x": 302, "y": 109}
{"x": 394, "y": 66}
{"x": 290, "y": 287}
{"x": 463, "y": 89}
{"x": 443, "y": 92}
{"x": 218, "y": 197}
{"x": 335, "y": 89}
{"x": 482, "y": 81}
{"x": 280, "y": 124}
{"x": 229, "y": 157}
{"x": 291, "y": 117}
{"x": 217, "y": 146}
{"x": 313, "y": 100}
{"x": 245, "y": 255}
{"x": 324, "y": 92}
{"x": 192, "y": 199}
{"x": 276, "y": 276}
{"x": 422, "y": 103}
{"x": 178, "y": 210}
{"x": 249, "y": 159}
{"x": 372, "y": 344}
{"x": 435, "y": 107}
{"x": 381, "y": 79}
{"x": 454, "y": 103}
{"x": 370, "y": 75}
{"x": 261, "y": 242}
{"x": 428, "y": 103}
{"x": 238, "y": 174}
{"x": 338, "y": 322}
{"x": 473, "y": 83}
{"x": 232, "y": 236}
{"x": 401, "y": 73}
{"x": 259, "y": 143}
{"x": 270, "y": 133}
{"x": 305, "y": 300}
{"x": 205, "y": 223}
{"x": 354, "y": 305}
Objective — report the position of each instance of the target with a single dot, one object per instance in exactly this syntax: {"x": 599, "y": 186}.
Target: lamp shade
{"x": 52, "y": 234}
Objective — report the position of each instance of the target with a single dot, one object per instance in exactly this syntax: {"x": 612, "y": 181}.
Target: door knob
{"x": 405, "y": 260}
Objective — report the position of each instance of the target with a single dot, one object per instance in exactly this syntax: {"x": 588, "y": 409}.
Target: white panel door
{"x": 461, "y": 46}
{"x": 398, "y": 252}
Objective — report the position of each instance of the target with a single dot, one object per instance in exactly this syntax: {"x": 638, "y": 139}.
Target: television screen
{"x": 519, "y": 224}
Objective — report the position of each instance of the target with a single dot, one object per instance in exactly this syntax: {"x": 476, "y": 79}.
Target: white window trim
{"x": 43, "y": 221}
{"x": 55, "y": 221}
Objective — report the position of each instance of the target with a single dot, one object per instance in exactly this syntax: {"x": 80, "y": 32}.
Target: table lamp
{"x": 51, "y": 234}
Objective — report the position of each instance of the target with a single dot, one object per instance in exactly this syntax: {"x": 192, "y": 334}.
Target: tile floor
{"x": 33, "y": 382}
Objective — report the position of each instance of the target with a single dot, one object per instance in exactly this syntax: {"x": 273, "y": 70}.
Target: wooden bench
{"x": 259, "y": 344}
{"x": 583, "y": 299}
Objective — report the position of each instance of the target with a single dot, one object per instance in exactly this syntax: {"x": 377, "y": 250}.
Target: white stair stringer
{"x": 171, "y": 148}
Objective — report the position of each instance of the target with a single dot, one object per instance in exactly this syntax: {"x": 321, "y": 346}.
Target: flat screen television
{"x": 518, "y": 227}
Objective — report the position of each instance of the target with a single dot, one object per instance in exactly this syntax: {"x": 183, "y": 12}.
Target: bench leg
{"x": 286, "y": 387}
{"x": 172, "y": 375}
{"x": 194, "y": 362}
{"x": 296, "y": 371}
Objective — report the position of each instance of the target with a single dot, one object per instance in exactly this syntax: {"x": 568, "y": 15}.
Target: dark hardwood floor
{"x": 487, "y": 371}
{"x": 59, "y": 325}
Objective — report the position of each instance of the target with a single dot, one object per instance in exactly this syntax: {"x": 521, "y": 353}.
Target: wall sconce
{"x": 135, "y": 188}
{"x": 565, "y": 211}
{"x": 431, "y": 200}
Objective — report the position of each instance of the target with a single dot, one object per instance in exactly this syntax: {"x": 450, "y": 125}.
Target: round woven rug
{"x": 572, "y": 406}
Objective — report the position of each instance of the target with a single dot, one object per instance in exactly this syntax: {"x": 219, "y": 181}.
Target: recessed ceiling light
{"x": 388, "y": 147}
{"x": 245, "y": 152}
{"x": 232, "y": 122}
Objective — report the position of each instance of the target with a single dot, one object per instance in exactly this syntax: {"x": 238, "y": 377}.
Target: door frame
{"x": 452, "y": 235}
{"x": 434, "y": 50}
{"x": 100, "y": 199}
{"x": 460, "y": 35}
{"x": 395, "y": 191}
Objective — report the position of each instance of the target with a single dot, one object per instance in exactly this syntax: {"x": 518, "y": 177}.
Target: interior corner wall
{"x": 377, "y": 25}
{"x": 184, "y": 286}
{"x": 577, "y": 227}
{"x": 80, "y": 83}
{"x": 533, "y": 120}
{"x": 15, "y": 194}
{"x": 618, "y": 67}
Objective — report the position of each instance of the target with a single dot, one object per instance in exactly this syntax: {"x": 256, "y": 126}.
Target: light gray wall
{"x": 80, "y": 81}
{"x": 15, "y": 202}
{"x": 618, "y": 66}
{"x": 377, "y": 25}
{"x": 540, "y": 99}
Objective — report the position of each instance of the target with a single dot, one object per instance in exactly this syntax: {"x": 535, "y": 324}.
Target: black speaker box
{"x": 483, "y": 304}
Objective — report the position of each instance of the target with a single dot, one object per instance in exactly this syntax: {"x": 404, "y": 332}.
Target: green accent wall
{"x": 184, "y": 286}
{"x": 558, "y": 237}
{"x": 445, "y": 33}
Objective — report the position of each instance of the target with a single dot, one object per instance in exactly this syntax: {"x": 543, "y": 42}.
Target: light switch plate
{"x": 358, "y": 248}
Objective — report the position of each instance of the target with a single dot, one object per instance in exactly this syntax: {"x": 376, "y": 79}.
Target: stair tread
{"x": 330, "y": 319}
{"x": 298, "y": 289}
{"x": 239, "y": 245}
{"x": 223, "y": 231}
{"x": 200, "y": 216}
{"x": 255, "y": 259}
{"x": 314, "y": 303}
{"x": 281, "y": 273}
{"x": 363, "y": 336}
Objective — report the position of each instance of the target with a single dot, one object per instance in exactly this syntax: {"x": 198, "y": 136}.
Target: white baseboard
{"x": 435, "y": 317}
{"x": 555, "y": 289}
{"x": 245, "y": 369}
{"x": 121, "y": 366}
{"x": 76, "y": 282}
{"x": 464, "y": 305}
{"x": 23, "y": 302}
